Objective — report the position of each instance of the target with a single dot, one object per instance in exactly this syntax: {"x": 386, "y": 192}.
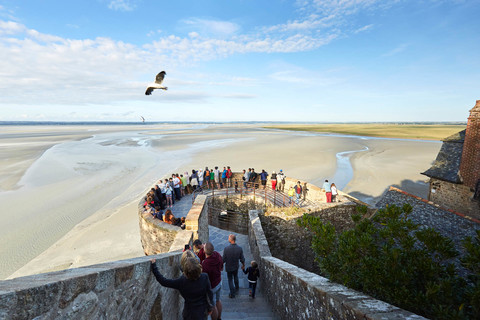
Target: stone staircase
{"x": 242, "y": 306}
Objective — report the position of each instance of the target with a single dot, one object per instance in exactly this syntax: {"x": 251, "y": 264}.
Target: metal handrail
{"x": 276, "y": 197}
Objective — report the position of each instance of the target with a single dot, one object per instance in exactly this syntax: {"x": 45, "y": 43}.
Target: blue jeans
{"x": 252, "y": 286}
{"x": 233, "y": 278}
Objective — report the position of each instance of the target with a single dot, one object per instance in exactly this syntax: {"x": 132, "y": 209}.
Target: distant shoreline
{"x": 434, "y": 132}
{"x": 276, "y": 123}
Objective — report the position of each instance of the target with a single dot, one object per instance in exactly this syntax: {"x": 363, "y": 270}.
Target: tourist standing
{"x": 333, "y": 187}
{"x": 298, "y": 191}
{"x": 177, "y": 183}
{"x": 305, "y": 191}
{"x": 184, "y": 180}
{"x": 213, "y": 266}
{"x": 194, "y": 287}
{"x": 328, "y": 191}
{"x": 291, "y": 193}
{"x": 231, "y": 256}
{"x": 281, "y": 180}
{"x": 229, "y": 177}
{"x": 200, "y": 177}
{"x": 273, "y": 178}
{"x": 217, "y": 177}
{"x": 169, "y": 195}
{"x": 253, "y": 178}
{"x": 194, "y": 179}
{"x": 263, "y": 178}
{"x": 207, "y": 177}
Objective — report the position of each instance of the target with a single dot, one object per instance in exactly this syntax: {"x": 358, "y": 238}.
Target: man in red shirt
{"x": 213, "y": 266}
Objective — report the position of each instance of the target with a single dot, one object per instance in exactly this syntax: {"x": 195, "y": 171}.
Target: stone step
{"x": 242, "y": 306}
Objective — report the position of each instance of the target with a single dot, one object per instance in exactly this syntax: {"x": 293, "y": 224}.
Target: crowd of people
{"x": 164, "y": 194}
{"x": 201, "y": 282}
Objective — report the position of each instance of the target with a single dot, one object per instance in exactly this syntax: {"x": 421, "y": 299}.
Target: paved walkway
{"x": 242, "y": 306}
{"x": 181, "y": 207}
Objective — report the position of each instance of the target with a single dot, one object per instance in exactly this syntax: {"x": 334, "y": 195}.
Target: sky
{"x": 239, "y": 60}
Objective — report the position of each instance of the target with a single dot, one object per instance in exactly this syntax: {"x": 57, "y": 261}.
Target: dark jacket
{"x": 213, "y": 266}
{"x": 253, "y": 274}
{"x": 231, "y": 255}
{"x": 194, "y": 292}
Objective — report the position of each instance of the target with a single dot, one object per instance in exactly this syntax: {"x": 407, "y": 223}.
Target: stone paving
{"x": 181, "y": 207}
{"x": 242, "y": 306}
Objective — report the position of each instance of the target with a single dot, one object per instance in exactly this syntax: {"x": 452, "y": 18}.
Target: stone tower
{"x": 470, "y": 163}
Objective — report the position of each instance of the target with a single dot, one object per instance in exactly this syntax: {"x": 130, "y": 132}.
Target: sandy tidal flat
{"x": 79, "y": 189}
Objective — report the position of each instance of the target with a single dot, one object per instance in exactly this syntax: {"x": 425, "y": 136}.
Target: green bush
{"x": 392, "y": 259}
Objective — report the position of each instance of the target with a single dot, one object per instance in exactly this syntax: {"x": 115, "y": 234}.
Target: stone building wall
{"x": 123, "y": 289}
{"x": 457, "y": 197}
{"x": 295, "y": 293}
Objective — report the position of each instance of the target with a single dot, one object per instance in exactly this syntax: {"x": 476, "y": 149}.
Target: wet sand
{"x": 81, "y": 209}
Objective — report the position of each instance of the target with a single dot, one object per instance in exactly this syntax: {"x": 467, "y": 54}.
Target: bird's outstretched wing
{"x": 149, "y": 91}
{"x": 159, "y": 78}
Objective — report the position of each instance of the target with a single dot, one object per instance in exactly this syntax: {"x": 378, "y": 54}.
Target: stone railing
{"x": 115, "y": 290}
{"x": 158, "y": 236}
{"x": 314, "y": 193}
{"x": 295, "y": 293}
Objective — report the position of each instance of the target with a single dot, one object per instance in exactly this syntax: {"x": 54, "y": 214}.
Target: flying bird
{"x": 157, "y": 84}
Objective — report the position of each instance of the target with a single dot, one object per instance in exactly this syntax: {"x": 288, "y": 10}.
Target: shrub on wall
{"x": 393, "y": 259}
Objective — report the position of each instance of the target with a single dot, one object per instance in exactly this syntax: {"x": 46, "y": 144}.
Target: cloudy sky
{"x": 236, "y": 60}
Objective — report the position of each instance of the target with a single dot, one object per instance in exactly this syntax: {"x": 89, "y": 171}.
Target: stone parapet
{"x": 158, "y": 237}
{"x": 115, "y": 290}
{"x": 197, "y": 219}
{"x": 295, "y": 293}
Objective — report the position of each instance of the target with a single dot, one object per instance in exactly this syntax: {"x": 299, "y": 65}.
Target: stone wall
{"x": 158, "y": 236}
{"x": 227, "y": 219}
{"x": 295, "y": 293}
{"x": 457, "y": 197}
{"x": 197, "y": 219}
{"x": 292, "y": 243}
{"x": 116, "y": 290}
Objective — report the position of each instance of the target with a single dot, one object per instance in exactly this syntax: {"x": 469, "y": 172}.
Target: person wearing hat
{"x": 281, "y": 180}
{"x": 273, "y": 178}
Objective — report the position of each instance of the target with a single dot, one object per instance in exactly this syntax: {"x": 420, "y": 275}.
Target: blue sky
{"x": 236, "y": 60}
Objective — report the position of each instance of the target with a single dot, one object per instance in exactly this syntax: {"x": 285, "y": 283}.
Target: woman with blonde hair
{"x": 194, "y": 287}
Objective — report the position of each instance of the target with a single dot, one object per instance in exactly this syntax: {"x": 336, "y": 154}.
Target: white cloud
{"x": 122, "y": 5}
{"x": 310, "y": 23}
{"x": 43, "y": 68}
{"x": 11, "y": 27}
{"x": 238, "y": 96}
{"x": 400, "y": 48}
{"x": 216, "y": 28}
{"x": 364, "y": 28}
